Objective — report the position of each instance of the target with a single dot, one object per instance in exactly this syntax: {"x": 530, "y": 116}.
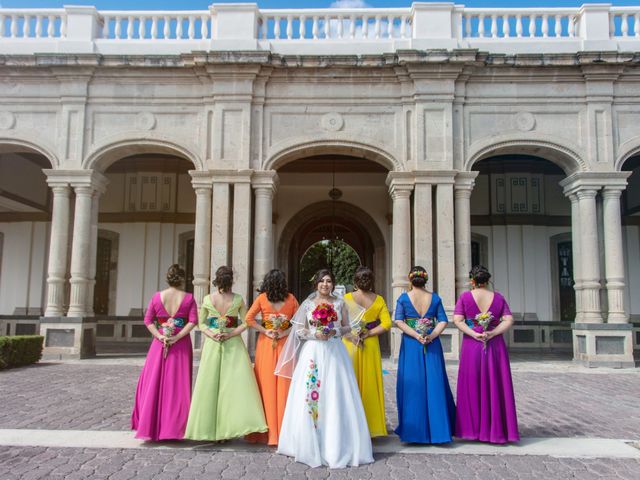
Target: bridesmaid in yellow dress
{"x": 364, "y": 348}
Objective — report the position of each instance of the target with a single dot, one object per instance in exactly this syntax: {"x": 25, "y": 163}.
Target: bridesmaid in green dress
{"x": 226, "y": 401}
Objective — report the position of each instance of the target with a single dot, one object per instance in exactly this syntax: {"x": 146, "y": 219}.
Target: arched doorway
{"x": 335, "y": 255}
{"x": 630, "y": 208}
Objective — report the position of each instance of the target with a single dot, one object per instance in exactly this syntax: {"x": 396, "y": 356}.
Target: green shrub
{"x": 20, "y": 350}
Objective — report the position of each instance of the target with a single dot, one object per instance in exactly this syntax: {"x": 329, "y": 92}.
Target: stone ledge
{"x": 602, "y": 326}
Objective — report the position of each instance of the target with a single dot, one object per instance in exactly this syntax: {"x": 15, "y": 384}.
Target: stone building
{"x": 455, "y": 136}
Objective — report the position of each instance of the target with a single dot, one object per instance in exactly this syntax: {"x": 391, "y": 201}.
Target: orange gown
{"x": 274, "y": 389}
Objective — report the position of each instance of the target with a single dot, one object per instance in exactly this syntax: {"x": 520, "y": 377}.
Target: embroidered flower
{"x": 313, "y": 392}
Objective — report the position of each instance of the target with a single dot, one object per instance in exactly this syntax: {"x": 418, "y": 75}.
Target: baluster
{"x": 26, "y": 27}
{"x": 191, "y": 31}
{"x": 154, "y": 27}
{"x": 105, "y": 26}
{"x": 142, "y": 27}
{"x": 289, "y": 21}
{"x": 340, "y": 26}
{"x": 481, "y": 26}
{"x": 365, "y": 26}
{"x": 2, "y": 18}
{"x": 506, "y": 28}
{"x": 51, "y": 26}
{"x": 352, "y": 27}
{"x": 276, "y": 27}
{"x": 63, "y": 26}
{"x": 118, "y": 28}
{"x": 519, "y": 25}
{"x": 377, "y": 27}
{"x": 545, "y": 25}
{"x": 571, "y": 25}
{"x": 129, "y": 28}
{"x": 463, "y": 25}
{"x": 179, "y": 27}
{"x": 494, "y": 27}
{"x": 302, "y": 31}
{"x": 636, "y": 27}
{"x": 612, "y": 25}
{"x": 314, "y": 27}
{"x": 390, "y": 27}
{"x": 14, "y": 26}
{"x": 558, "y": 26}
{"x": 166, "y": 28}
{"x": 38, "y": 32}
{"x": 204, "y": 27}
{"x": 403, "y": 26}
{"x": 624, "y": 24}
{"x": 327, "y": 26}
{"x": 532, "y": 25}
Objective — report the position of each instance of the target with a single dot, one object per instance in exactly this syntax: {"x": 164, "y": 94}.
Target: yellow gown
{"x": 367, "y": 363}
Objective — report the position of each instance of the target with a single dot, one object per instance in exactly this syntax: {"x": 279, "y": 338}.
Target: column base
{"x": 603, "y": 345}
{"x": 68, "y": 337}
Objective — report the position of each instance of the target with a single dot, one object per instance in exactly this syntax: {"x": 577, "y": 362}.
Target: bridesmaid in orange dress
{"x": 276, "y": 307}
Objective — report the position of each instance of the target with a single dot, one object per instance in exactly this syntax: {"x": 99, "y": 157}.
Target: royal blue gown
{"x": 426, "y": 412}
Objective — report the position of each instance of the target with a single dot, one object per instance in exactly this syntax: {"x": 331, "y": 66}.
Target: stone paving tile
{"x": 22, "y": 463}
{"x": 100, "y": 397}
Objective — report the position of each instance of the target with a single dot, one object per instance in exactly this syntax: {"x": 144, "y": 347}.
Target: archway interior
{"x": 25, "y": 212}
{"x": 336, "y": 255}
{"x": 521, "y": 230}
{"x": 631, "y": 237}
{"x": 149, "y": 209}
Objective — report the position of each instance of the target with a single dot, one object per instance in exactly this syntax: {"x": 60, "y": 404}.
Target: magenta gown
{"x": 163, "y": 395}
{"x": 486, "y": 406}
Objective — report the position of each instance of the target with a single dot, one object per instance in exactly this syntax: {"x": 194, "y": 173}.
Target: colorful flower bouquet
{"x": 276, "y": 322}
{"x": 484, "y": 320}
{"x": 359, "y": 331}
{"x": 324, "y": 316}
{"x": 168, "y": 329}
{"x": 423, "y": 325}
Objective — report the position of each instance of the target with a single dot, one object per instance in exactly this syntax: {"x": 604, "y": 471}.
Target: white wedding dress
{"x": 324, "y": 421}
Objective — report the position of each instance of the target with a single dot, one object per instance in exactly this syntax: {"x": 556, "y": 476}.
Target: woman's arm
{"x": 156, "y": 334}
{"x": 459, "y": 322}
{"x": 242, "y": 326}
{"x": 402, "y": 325}
{"x": 183, "y": 333}
{"x": 503, "y": 326}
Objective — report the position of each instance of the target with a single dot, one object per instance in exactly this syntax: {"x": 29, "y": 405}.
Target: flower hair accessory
{"x": 418, "y": 273}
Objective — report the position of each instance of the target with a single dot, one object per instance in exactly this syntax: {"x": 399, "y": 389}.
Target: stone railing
{"x": 76, "y": 29}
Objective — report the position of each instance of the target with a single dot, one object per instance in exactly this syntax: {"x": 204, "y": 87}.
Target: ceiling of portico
{"x": 328, "y": 163}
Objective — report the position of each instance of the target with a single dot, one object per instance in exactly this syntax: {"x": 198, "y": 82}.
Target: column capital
{"x": 465, "y": 181}
{"x": 265, "y": 180}
{"x": 611, "y": 191}
{"x": 77, "y": 178}
{"x": 593, "y": 181}
{"x": 586, "y": 193}
{"x": 201, "y": 179}
{"x": 400, "y": 184}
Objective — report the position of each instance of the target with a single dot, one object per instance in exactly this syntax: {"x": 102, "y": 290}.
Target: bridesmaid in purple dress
{"x": 486, "y": 407}
{"x": 163, "y": 395}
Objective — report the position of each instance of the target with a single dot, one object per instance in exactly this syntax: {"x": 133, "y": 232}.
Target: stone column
{"x": 81, "y": 251}
{"x": 401, "y": 236}
{"x": 463, "y": 187}
{"x": 95, "y": 207}
{"x": 264, "y": 186}
{"x": 58, "y": 248}
{"x": 423, "y": 227}
{"x": 219, "y": 226}
{"x": 241, "y": 240}
{"x": 446, "y": 244}
{"x": 590, "y": 265}
{"x": 576, "y": 256}
{"x": 613, "y": 250}
{"x": 201, "y": 182}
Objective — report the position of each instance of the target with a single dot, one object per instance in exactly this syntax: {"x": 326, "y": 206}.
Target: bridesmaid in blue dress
{"x": 426, "y": 412}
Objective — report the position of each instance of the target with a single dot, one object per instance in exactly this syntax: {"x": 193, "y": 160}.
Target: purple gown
{"x": 486, "y": 407}
{"x": 163, "y": 395}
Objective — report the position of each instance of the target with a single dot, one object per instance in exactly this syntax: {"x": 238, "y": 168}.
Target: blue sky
{"x": 203, "y": 4}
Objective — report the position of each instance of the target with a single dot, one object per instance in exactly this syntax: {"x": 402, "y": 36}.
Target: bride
{"x": 324, "y": 421}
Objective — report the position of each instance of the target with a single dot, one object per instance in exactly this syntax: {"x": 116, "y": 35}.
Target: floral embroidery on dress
{"x": 313, "y": 392}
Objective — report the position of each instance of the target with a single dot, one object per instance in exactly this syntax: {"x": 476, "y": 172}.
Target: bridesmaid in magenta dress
{"x": 163, "y": 395}
{"x": 486, "y": 407}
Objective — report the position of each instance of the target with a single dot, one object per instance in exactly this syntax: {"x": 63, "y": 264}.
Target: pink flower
{"x": 314, "y": 395}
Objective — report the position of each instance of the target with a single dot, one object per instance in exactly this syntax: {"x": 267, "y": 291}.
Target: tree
{"x": 336, "y": 255}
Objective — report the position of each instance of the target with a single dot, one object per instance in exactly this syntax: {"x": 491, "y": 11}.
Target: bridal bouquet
{"x": 324, "y": 316}
{"x": 359, "y": 331}
{"x": 168, "y": 329}
{"x": 276, "y": 322}
{"x": 423, "y": 325}
{"x": 484, "y": 320}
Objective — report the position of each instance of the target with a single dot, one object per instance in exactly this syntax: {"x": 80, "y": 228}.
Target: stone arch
{"x": 13, "y": 144}
{"x": 311, "y": 147}
{"x": 344, "y": 211}
{"x": 628, "y": 149}
{"x": 102, "y": 157}
{"x": 551, "y": 149}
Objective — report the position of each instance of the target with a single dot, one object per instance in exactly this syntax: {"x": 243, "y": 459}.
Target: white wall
{"x": 23, "y": 267}
{"x": 145, "y": 252}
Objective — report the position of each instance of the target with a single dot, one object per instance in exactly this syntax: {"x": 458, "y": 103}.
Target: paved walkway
{"x": 70, "y": 420}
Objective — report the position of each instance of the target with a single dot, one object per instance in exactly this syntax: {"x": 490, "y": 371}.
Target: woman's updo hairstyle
{"x": 418, "y": 276}
{"x": 176, "y": 275}
{"x": 364, "y": 279}
{"x": 274, "y": 286}
{"x": 223, "y": 279}
{"x": 320, "y": 274}
{"x": 480, "y": 275}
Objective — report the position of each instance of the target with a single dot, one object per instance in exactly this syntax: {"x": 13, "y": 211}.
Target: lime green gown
{"x": 226, "y": 401}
